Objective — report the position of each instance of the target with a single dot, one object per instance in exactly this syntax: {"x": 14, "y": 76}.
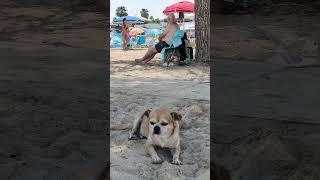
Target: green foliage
{"x": 157, "y": 20}
{"x": 144, "y": 13}
{"x": 121, "y": 11}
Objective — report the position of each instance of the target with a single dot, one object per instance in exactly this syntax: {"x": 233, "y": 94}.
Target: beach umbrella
{"x": 183, "y": 7}
{"x": 153, "y": 32}
{"x": 131, "y": 19}
{"x": 135, "y": 31}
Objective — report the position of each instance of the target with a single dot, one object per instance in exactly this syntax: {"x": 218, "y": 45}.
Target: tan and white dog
{"x": 161, "y": 128}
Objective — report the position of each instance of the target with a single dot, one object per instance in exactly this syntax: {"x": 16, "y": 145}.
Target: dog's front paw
{"x": 176, "y": 161}
{"x": 132, "y": 136}
{"x": 156, "y": 160}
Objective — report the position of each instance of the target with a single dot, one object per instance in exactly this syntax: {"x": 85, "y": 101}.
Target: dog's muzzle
{"x": 156, "y": 130}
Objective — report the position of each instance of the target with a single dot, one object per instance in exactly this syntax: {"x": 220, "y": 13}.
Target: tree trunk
{"x": 217, "y": 6}
{"x": 202, "y": 23}
{"x": 103, "y": 5}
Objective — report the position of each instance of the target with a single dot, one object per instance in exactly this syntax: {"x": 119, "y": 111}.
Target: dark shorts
{"x": 191, "y": 52}
{"x": 160, "y": 45}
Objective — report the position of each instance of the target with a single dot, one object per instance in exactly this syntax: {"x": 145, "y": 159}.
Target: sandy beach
{"x": 53, "y": 98}
{"x": 54, "y": 123}
{"x": 275, "y": 134}
{"x": 135, "y": 88}
{"x": 266, "y": 96}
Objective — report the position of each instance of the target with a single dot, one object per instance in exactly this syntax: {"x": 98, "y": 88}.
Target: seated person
{"x": 164, "y": 40}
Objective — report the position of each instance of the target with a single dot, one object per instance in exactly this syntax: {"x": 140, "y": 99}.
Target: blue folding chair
{"x": 168, "y": 53}
{"x": 133, "y": 41}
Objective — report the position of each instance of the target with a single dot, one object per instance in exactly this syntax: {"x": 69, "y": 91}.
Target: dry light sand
{"x": 135, "y": 88}
{"x": 53, "y": 99}
{"x": 266, "y": 96}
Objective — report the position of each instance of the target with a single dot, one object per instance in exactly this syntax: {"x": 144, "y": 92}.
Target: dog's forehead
{"x": 160, "y": 114}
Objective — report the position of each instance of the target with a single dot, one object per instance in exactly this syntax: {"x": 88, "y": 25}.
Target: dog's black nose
{"x": 156, "y": 130}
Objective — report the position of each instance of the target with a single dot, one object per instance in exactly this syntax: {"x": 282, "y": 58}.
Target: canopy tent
{"x": 181, "y": 8}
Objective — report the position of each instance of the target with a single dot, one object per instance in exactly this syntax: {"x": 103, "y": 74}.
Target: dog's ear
{"x": 146, "y": 113}
{"x": 176, "y": 116}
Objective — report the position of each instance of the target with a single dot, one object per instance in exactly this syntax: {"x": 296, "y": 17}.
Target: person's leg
{"x": 191, "y": 52}
{"x": 149, "y": 58}
{"x": 182, "y": 50}
{"x": 126, "y": 41}
{"x": 149, "y": 55}
{"x": 123, "y": 41}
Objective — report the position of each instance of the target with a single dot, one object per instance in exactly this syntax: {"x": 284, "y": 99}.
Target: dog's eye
{"x": 152, "y": 123}
{"x": 164, "y": 124}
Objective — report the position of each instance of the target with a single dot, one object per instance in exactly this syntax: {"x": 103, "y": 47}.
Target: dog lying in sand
{"x": 161, "y": 128}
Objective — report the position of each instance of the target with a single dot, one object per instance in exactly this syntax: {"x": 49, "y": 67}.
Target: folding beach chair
{"x": 149, "y": 41}
{"x": 173, "y": 55}
{"x": 133, "y": 41}
{"x": 173, "y": 52}
{"x": 141, "y": 41}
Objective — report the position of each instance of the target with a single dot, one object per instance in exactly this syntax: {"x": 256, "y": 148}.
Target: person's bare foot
{"x": 144, "y": 62}
{"x": 138, "y": 60}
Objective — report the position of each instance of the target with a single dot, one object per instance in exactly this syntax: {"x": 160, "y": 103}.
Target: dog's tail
{"x": 120, "y": 127}
{"x": 135, "y": 132}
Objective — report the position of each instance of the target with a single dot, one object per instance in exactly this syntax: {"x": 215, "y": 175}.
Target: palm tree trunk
{"x": 202, "y": 23}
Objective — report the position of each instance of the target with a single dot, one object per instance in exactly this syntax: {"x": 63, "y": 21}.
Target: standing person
{"x": 188, "y": 44}
{"x": 164, "y": 40}
{"x": 125, "y": 33}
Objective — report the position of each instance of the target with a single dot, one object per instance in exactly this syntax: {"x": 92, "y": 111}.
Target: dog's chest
{"x": 164, "y": 141}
